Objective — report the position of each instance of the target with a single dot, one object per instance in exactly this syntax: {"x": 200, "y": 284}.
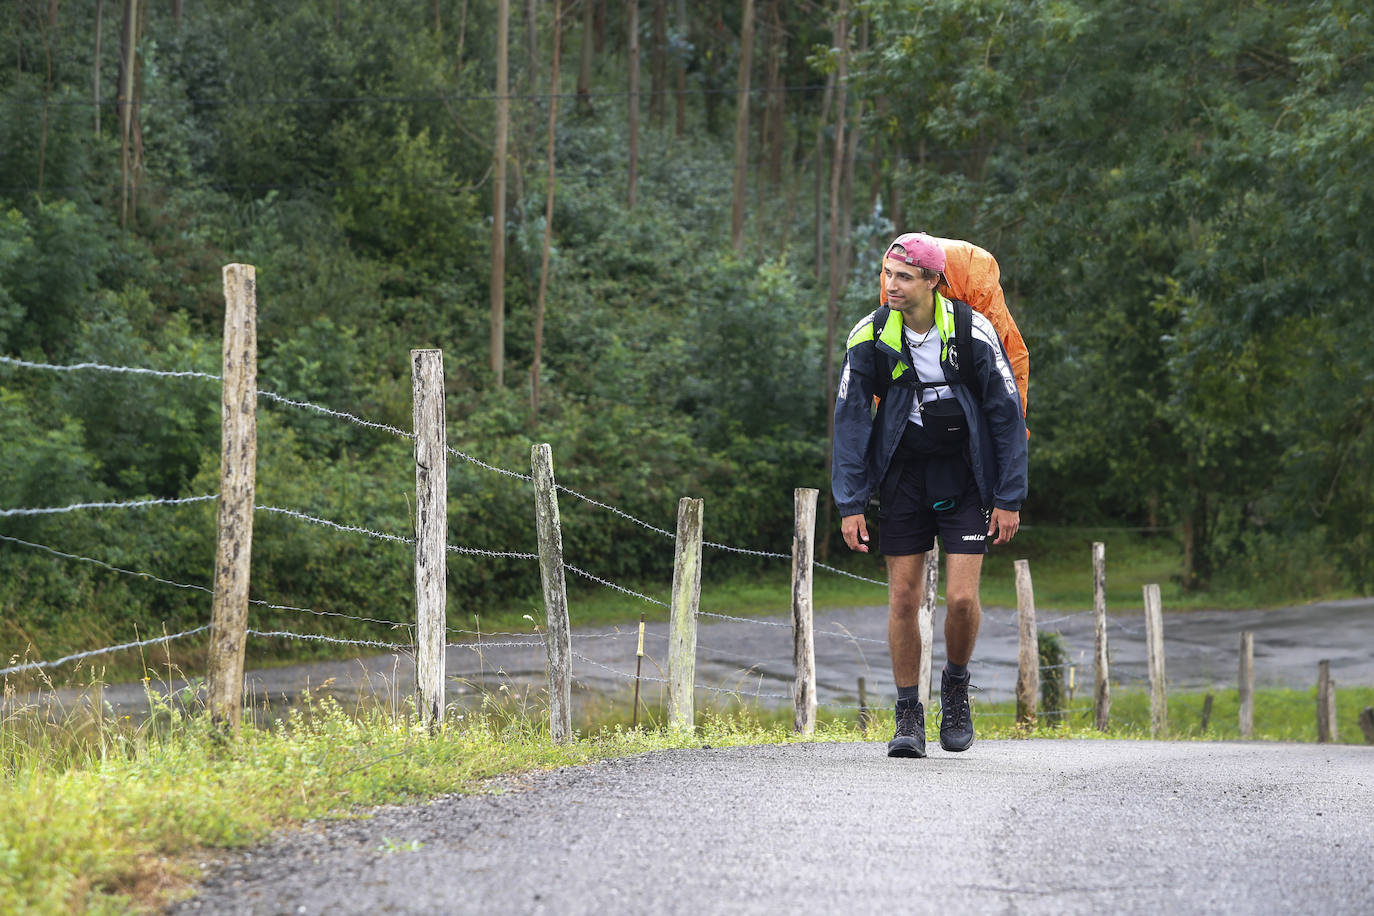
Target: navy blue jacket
{"x": 865, "y": 441}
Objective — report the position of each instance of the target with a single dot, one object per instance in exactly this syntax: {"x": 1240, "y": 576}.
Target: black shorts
{"x": 907, "y": 523}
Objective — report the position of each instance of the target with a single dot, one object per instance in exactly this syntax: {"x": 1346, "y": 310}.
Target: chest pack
{"x": 959, "y": 348}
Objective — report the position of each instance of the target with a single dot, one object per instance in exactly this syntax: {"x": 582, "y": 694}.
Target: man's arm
{"x": 849, "y": 483}
{"x": 1001, "y": 404}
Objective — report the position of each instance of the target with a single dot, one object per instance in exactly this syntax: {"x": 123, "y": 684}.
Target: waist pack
{"x": 945, "y": 425}
{"x": 944, "y": 475}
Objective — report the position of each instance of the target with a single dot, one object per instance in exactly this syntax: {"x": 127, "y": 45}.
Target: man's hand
{"x": 855, "y": 531}
{"x": 1003, "y": 525}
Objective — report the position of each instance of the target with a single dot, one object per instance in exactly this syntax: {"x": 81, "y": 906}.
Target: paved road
{"x": 754, "y": 657}
{"x": 1017, "y": 827}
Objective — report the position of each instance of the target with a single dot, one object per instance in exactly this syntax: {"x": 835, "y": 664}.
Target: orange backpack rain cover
{"x": 972, "y": 275}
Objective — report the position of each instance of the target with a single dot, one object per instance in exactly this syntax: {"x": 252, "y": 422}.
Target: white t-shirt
{"x": 925, "y": 359}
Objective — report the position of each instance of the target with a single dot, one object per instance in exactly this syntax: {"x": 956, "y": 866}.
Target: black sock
{"x": 909, "y": 694}
{"x": 955, "y": 671}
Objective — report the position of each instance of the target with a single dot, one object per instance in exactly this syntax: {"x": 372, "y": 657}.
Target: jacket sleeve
{"x": 850, "y": 482}
{"x": 1006, "y": 422}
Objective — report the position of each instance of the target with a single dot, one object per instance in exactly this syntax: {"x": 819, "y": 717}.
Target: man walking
{"x": 946, "y": 452}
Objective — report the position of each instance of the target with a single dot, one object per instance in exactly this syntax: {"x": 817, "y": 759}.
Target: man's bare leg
{"x": 905, "y": 581}
{"x": 963, "y": 614}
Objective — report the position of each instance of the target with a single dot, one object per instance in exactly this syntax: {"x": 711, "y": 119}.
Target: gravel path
{"x": 1034, "y": 826}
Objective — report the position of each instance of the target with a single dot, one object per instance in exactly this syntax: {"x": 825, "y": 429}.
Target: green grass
{"x": 111, "y": 817}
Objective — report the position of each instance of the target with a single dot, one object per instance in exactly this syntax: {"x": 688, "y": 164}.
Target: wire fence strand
{"x": 137, "y": 644}
{"x": 126, "y": 504}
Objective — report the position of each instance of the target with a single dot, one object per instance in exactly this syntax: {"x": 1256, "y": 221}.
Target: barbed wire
{"x": 261, "y": 392}
{"x": 494, "y": 554}
{"x": 850, "y": 574}
{"x": 490, "y": 467}
{"x": 338, "y": 414}
{"x": 128, "y": 504}
{"x": 326, "y": 523}
{"x": 137, "y": 644}
{"x": 609, "y": 584}
{"x": 127, "y": 572}
{"x": 102, "y": 367}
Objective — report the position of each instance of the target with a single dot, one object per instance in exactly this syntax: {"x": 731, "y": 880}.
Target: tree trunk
{"x": 532, "y": 43}
{"x": 47, "y": 92}
{"x": 658, "y": 67}
{"x": 819, "y": 255}
{"x": 599, "y": 33}
{"x": 632, "y": 38}
{"x": 498, "y": 205}
{"x": 774, "y": 130}
{"x": 836, "y": 179}
{"x": 850, "y": 158}
{"x": 462, "y": 32}
{"x": 680, "y": 120}
{"x": 746, "y": 58}
{"x": 95, "y": 68}
{"x": 178, "y": 7}
{"x": 124, "y": 101}
{"x": 584, "y": 64}
{"x": 548, "y": 217}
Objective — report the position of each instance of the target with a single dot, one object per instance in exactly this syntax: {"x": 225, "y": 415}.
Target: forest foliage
{"x": 1178, "y": 194}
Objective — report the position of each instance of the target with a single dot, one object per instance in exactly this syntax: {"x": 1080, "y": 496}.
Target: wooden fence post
{"x": 925, "y": 621}
{"x": 865, "y": 714}
{"x": 237, "y": 485}
{"x": 1102, "y": 690}
{"x": 431, "y": 532}
{"x": 803, "y": 640}
{"x": 682, "y": 636}
{"x": 1366, "y": 720}
{"x": 558, "y": 632}
{"x": 1326, "y": 703}
{"x": 1247, "y": 684}
{"x": 1028, "y": 658}
{"x": 1154, "y": 639}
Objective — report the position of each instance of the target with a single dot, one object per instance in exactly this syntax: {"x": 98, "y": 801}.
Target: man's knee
{"x": 962, "y": 605}
{"x": 904, "y": 598}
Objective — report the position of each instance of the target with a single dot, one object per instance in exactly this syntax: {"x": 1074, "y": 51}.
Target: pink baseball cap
{"x": 918, "y": 249}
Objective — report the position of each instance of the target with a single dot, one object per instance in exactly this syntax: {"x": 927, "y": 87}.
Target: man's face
{"x": 906, "y": 286}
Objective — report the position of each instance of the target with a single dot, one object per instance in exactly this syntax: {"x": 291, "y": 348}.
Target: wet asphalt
{"x": 750, "y": 660}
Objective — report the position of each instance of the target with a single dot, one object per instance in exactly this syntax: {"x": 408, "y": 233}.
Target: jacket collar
{"x": 891, "y": 341}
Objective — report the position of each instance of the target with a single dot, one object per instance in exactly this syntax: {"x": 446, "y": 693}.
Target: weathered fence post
{"x": 237, "y": 483}
{"x": 431, "y": 531}
{"x": 682, "y": 636}
{"x": 865, "y": 714}
{"x": 1326, "y": 703}
{"x": 1247, "y": 684}
{"x": 1154, "y": 640}
{"x": 1366, "y": 720}
{"x": 1102, "y": 690}
{"x": 803, "y": 641}
{"x": 558, "y": 632}
{"x": 1206, "y": 719}
{"x": 925, "y": 620}
{"x": 1028, "y": 658}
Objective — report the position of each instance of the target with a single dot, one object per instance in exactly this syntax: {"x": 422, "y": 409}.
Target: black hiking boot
{"x": 956, "y": 719}
{"x": 910, "y": 740}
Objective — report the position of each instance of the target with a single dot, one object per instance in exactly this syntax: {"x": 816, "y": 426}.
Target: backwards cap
{"x": 917, "y": 249}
